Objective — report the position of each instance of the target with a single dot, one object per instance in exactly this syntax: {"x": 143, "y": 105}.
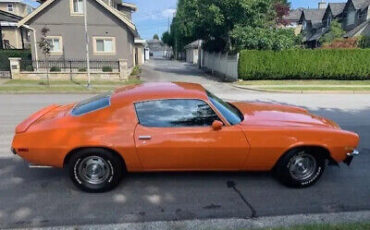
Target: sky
{"x": 154, "y": 16}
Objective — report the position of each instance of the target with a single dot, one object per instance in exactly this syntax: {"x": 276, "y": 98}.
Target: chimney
{"x": 322, "y": 5}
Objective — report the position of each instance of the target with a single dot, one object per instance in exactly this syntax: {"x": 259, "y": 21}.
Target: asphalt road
{"x": 46, "y": 197}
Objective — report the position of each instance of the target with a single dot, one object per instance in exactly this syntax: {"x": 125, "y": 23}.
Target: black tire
{"x": 95, "y": 170}
{"x": 289, "y": 172}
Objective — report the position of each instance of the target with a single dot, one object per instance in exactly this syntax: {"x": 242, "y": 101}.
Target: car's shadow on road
{"x": 35, "y": 197}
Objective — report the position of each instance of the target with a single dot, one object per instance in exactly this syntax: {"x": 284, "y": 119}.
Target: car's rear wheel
{"x": 95, "y": 170}
{"x": 300, "y": 167}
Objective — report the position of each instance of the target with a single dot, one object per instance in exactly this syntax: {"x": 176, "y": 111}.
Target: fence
{"x": 223, "y": 65}
{"x": 69, "y": 69}
{"x": 69, "y": 66}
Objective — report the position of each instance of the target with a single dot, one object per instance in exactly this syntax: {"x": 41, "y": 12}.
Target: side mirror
{"x": 217, "y": 125}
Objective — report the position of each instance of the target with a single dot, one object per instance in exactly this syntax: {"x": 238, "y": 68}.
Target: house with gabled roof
{"x": 111, "y": 33}
{"x": 356, "y": 18}
{"x": 336, "y": 9}
{"x": 313, "y": 28}
{"x": 11, "y": 12}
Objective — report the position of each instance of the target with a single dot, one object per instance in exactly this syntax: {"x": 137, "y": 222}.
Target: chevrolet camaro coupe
{"x": 179, "y": 127}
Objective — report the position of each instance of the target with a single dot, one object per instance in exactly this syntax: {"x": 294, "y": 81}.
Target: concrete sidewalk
{"x": 232, "y": 223}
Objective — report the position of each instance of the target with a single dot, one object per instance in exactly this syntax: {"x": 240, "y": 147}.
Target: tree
{"x": 156, "y": 37}
{"x": 217, "y": 22}
{"x": 167, "y": 38}
{"x": 45, "y": 47}
{"x": 281, "y": 10}
{"x": 335, "y": 32}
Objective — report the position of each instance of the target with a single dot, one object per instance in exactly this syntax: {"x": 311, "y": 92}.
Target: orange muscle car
{"x": 179, "y": 127}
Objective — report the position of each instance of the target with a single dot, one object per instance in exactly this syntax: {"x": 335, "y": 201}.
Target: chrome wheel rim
{"x": 94, "y": 170}
{"x": 302, "y": 166}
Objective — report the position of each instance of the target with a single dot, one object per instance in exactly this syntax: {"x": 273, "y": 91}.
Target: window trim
{"x": 96, "y": 52}
{"x": 71, "y": 9}
{"x": 220, "y": 117}
{"x": 12, "y": 6}
{"x": 61, "y": 44}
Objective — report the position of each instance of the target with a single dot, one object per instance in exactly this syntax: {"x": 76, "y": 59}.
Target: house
{"x": 16, "y": 7}
{"x": 111, "y": 33}
{"x": 158, "y": 49}
{"x": 356, "y": 18}
{"x": 11, "y": 36}
{"x": 314, "y": 24}
{"x": 192, "y": 51}
{"x": 336, "y": 10}
{"x": 292, "y": 20}
{"x": 11, "y": 12}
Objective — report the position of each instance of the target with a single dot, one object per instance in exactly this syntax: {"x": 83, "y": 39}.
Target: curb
{"x": 233, "y": 223}
{"x": 300, "y": 91}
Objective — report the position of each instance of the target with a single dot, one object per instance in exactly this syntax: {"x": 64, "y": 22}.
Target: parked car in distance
{"x": 179, "y": 127}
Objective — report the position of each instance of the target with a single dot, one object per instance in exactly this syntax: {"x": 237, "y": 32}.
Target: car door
{"x": 177, "y": 134}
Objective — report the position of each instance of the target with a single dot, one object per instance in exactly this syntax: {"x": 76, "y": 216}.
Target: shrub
{"x": 6, "y": 54}
{"x": 107, "y": 69}
{"x": 341, "y": 64}
{"x": 341, "y": 43}
{"x": 83, "y": 69}
{"x": 55, "y": 69}
{"x": 136, "y": 71}
{"x": 364, "y": 42}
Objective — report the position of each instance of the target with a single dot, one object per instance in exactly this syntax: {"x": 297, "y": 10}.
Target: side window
{"x": 175, "y": 113}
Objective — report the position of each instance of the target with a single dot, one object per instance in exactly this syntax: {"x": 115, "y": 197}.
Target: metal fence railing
{"x": 69, "y": 66}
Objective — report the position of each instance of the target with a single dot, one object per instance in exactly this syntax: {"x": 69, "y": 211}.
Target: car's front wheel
{"x": 300, "y": 167}
{"x": 95, "y": 170}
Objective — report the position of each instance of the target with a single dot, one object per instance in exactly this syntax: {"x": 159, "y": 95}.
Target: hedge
{"x": 341, "y": 64}
{"x": 6, "y": 54}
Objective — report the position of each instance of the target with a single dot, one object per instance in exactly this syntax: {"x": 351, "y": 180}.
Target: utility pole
{"x": 87, "y": 46}
{"x": 1, "y": 38}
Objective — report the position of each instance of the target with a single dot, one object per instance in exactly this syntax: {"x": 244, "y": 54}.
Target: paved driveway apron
{"x": 46, "y": 197}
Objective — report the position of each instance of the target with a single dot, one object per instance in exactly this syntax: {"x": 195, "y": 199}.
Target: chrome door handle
{"x": 145, "y": 137}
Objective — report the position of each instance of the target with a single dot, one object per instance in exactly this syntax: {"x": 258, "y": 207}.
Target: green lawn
{"x": 351, "y": 226}
{"x": 61, "y": 86}
{"x": 307, "y": 85}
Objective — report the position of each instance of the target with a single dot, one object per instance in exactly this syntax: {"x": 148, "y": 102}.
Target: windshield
{"x": 229, "y": 111}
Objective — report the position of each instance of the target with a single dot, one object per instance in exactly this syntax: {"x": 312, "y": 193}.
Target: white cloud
{"x": 168, "y": 13}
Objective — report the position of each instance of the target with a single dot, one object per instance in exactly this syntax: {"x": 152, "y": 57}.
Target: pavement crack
{"x": 232, "y": 185}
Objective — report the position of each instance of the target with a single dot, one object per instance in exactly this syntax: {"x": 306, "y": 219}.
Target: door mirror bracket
{"x": 217, "y": 125}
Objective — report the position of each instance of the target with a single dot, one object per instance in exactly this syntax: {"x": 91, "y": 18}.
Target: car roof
{"x": 158, "y": 90}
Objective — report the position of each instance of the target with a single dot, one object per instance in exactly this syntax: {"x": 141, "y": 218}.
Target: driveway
{"x": 46, "y": 197}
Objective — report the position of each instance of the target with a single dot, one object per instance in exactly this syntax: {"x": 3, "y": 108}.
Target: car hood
{"x": 266, "y": 114}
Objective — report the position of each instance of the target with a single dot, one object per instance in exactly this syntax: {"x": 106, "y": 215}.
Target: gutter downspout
{"x": 34, "y": 43}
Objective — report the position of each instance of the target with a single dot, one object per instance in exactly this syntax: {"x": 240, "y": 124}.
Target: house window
{"x": 304, "y": 25}
{"x": 56, "y": 44}
{"x": 351, "y": 18}
{"x": 104, "y": 45}
{"x": 77, "y": 7}
{"x": 10, "y": 7}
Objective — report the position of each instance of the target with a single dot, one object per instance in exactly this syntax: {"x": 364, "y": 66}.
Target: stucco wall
{"x": 13, "y": 35}
{"x": 18, "y": 8}
{"x": 57, "y": 17}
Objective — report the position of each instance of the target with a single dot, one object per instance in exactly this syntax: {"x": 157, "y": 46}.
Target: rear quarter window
{"x": 92, "y": 104}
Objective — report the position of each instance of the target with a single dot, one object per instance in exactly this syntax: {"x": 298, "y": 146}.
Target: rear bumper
{"x": 350, "y": 156}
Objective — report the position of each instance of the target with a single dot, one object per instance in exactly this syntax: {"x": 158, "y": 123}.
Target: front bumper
{"x": 350, "y": 156}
